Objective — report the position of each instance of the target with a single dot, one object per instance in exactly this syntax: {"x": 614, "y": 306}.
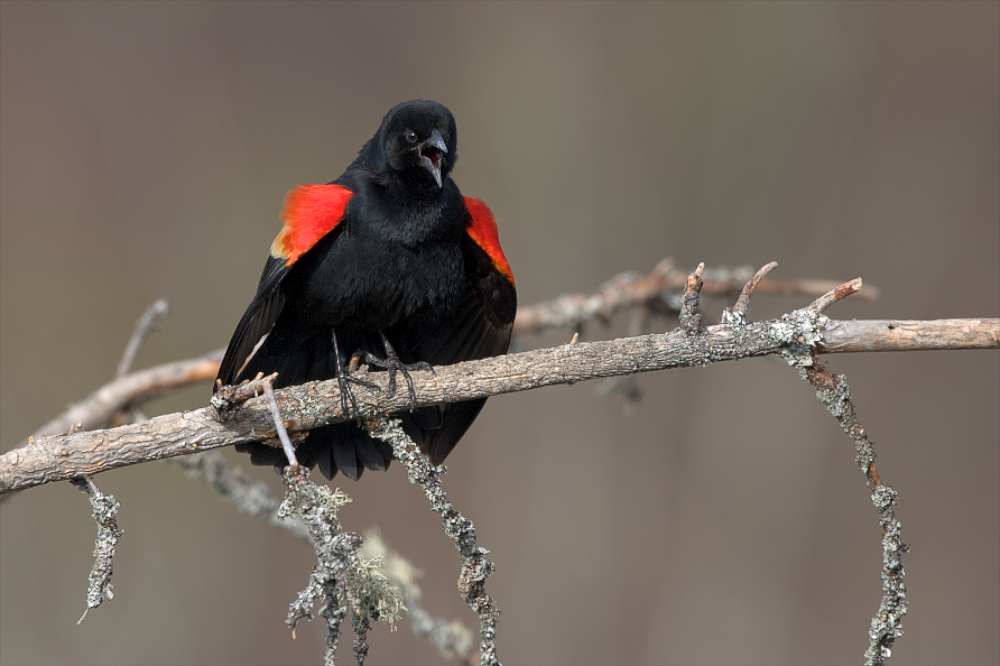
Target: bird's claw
{"x": 344, "y": 380}
{"x": 393, "y": 364}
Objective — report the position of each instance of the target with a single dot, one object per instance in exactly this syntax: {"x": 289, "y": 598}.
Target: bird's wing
{"x": 311, "y": 212}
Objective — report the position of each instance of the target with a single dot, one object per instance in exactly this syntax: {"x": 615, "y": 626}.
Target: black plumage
{"x": 388, "y": 249}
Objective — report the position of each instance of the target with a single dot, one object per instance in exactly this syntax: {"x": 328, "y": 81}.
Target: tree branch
{"x": 476, "y": 567}
{"x": 343, "y": 579}
{"x": 881, "y": 335}
{"x": 833, "y": 393}
{"x": 311, "y": 405}
{"x": 150, "y": 320}
{"x": 655, "y": 291}
{"x": 105, "y": 512}
{"x": 97, "y": 409}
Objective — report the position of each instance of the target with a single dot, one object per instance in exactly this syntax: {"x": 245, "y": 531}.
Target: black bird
{"x": 389, "y": 262}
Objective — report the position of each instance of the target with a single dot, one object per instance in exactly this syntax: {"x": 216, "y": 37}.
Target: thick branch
{"x": 318, "y": 403}
{"x": 308, "y": 406}
{"x": 96, "y": 410}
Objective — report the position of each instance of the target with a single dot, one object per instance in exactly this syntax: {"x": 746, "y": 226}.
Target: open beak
{"x": 432, "y": 153}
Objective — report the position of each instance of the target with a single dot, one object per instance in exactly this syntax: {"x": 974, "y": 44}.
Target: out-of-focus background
{"x": 146, "y": 148}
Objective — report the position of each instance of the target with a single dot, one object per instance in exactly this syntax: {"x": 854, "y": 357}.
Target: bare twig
{"x": 105, "y": 510}
{"x": 630, "y": 290}
{"x": 476, "y": 567}
{"x": 286, "y": 443}
{"x": 148, "y": 322}
{"x": 689, "y": 318}
{"x": 834, "y": 295}
{"x": 739, "y": 310}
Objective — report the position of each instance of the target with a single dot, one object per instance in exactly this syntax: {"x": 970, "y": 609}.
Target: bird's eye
{"x": 411, "y": 136}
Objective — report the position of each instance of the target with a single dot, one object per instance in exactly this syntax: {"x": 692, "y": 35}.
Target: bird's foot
{"x": 393, "y": 364}
{"x": 344, "y": 380}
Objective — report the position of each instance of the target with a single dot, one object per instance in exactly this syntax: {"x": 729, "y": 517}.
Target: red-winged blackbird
{"x": 389, "y": 261}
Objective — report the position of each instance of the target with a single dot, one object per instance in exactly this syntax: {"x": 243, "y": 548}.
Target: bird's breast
{"x": 369, "y": 285}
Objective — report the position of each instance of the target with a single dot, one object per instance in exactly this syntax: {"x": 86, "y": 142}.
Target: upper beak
{"x": 431, "y": 153}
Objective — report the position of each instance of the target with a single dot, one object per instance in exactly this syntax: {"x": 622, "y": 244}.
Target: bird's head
{"x": 419, "y": 141}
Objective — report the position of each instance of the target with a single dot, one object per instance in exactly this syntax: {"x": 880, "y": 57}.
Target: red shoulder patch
{"x": 310, "y": 212}
{"x": 482, "y": 228}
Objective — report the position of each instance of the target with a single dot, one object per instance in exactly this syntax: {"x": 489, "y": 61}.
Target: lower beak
{"x": 432, "y": 153}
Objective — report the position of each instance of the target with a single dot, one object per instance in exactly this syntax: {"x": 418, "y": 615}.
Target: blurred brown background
{"x": 145, "y": 152}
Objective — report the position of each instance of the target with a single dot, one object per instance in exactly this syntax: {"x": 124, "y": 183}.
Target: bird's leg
{"x": 343, "y": 379}
{"x": 393, "y": 364}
